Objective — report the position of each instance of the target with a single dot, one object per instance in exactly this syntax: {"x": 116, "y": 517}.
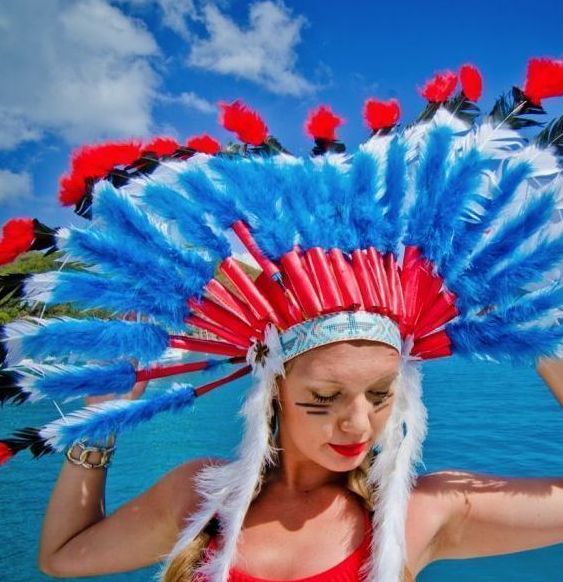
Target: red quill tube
{"x": 219, "y": 331}
{"x": 323, "y": 280}
{"x": 204, "y": 346}
{"x": 435, "y": 345}
{"x": 344, "y": 274}
{"x": 176, "y": 369}
{"x": 258, "y": 304}
{"x": 301, "y": 284}
{"x": 370, "y": 297}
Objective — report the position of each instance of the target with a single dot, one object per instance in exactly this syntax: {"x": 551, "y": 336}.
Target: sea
{"x": 484, "y": 417}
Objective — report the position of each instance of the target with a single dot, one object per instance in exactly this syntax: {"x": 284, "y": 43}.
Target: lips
{"x": 350, "y": 450}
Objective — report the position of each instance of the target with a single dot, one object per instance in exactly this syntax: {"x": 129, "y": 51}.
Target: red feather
{"x": 246, "y": 123}
{"x": 94, "y": 162}
{"x": 204, "y": 143}
{"x": 440, "y": 87}
{"x": 471, "y": 82}
{"x": 17, "y": 237}
{"x": 381, "y": 114}
{"x": 6, "y": 453}
{"x": 544, "y": 79}
{"x": 322, "y": 123}
{"x": 161, "y": 146}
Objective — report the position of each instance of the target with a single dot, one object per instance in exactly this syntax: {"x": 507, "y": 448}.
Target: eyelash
{"x": 330, "y": 399}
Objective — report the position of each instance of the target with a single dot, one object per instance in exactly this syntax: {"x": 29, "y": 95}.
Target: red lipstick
{"x": 350, "y": 450}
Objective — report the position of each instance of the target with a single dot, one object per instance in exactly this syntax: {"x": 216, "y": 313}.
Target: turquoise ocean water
{"x": 483, "y": 417}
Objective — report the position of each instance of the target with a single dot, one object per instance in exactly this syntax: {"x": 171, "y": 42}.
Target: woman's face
{"x": 334, "y": 396}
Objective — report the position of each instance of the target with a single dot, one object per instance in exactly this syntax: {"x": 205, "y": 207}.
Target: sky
{"x": 82, "y": 71}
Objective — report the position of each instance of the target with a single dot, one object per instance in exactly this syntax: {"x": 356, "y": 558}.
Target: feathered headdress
{"x": 438, "y": 239}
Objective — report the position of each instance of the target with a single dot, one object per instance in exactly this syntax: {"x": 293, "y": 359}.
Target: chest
{"x": 293, "y": 542}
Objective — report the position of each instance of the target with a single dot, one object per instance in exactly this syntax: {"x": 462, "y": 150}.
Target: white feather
{"x": 393, "y": 473}
{"x": 228, "y": 490}
{"x": 40, "y": 287}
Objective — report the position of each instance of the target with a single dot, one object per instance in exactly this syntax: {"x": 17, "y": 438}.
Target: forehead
{"x": 346, "y": 361}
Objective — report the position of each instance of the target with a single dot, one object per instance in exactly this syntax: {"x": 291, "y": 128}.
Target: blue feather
{"x": 495, "y": 339}
{"x": 460, "y": 191}
{"x": 123, "y": 218}
{"x": 70, "y": 382}
{"x": 100, "y": 421}
{"x": 524, "y": 268}
{"x": 121, "y": 260}
{"x": 429, "y": 184}
{"x": 470, "y": 233}
{"x": 394, "y": 195}
{"x": 503, "y": 244}
{"x": 91, "y": 291}
{"x": 96, "y": 339}
{"x": 367, "y": 219}
{"x": 297, "y": 204}
{"x": 189, "y": 216}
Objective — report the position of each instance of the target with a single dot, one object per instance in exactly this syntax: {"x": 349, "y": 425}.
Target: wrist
{"x": 91, "y": 455}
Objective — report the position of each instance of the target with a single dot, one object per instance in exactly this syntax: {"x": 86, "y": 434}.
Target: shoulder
{"x": 177, "y": 489}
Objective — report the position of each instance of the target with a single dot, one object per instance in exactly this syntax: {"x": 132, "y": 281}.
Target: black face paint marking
{"x": 311, "y": 405}
{"x": 316, "y": 412}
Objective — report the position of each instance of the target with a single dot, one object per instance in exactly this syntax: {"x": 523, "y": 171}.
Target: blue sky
{"x": 80, "y": 71}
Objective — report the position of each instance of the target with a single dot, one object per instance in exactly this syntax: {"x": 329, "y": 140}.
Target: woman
{"x": 310, "y": 513}
{"x": 421, "y": 245}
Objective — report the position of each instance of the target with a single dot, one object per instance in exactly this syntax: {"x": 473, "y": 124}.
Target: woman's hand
{"x": 551, "y": 370}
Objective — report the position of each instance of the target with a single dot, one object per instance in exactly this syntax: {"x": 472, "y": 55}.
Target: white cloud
{"x": 264, "y": 52}
{"x": 191, "y": 101}
{"x": 14, "y": 187}
{"x": 80, "y": 69}
{"x": 175, "y": 13}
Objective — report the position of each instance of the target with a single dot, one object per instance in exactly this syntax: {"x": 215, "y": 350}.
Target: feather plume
{"x": 392, "y": 475}
{"x": 381, "y": 114}
{"x": 246, "y": 123}
{"x": 17, "y": 237}
{"x": 161, "y": 147}
{"x": 70, "y": 382}
{"x": 471, "y": 82}
{"x": 204, "y": 143}
{"x": 93, "y": 339}
{"x": 544, "y": 79}
{"x": 440, "y": 88}
{"x": 99, "y": 421}
{"x": 430, "y": 183}
{"x": 92, "y": 163}
{"x": 322, "y": 124}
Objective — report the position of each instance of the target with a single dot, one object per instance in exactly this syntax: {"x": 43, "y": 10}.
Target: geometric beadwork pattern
{"x": 335, "y": 327}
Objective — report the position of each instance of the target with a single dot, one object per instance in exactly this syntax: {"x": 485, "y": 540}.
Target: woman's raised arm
{"x": 78, "y": 540}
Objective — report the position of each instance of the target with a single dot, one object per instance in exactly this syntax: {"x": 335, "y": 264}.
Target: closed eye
{"x": 320, "y": 398}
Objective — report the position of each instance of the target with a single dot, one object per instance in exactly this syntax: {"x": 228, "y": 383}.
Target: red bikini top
{"x": 345, "y": 571}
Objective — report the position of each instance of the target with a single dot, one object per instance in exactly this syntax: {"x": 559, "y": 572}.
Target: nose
{"x": 355, "y": 418}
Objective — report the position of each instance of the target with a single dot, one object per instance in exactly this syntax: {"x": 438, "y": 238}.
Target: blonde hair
{"x": 183, "y": 566}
